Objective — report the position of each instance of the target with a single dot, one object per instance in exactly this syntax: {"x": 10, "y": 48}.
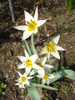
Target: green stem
{"x": 27, "y": 47}
{"x": 32, "y": 36}
{"x": 32, "y": 44}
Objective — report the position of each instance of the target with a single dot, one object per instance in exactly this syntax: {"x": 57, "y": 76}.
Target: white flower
{"x": 19, "y": 83}
{"x": 28, "y": 62}
{"x": 43, "y": 64}
{"x": 23, "y": 80}
{"x": 52, "y": 48}
{"x": 47, "y": 70}
{"x": 32, "y": 24}
{"x": 45, "y": 77}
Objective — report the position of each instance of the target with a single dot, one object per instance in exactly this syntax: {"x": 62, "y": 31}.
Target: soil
{"x": 11, "y": 44}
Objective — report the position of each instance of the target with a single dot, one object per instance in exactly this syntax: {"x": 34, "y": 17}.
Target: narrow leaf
{"x": 43, "y": 86}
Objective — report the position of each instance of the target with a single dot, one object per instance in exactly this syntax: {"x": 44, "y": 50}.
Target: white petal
{"x": 26, "y": 35}
{"x": 47, "y": 70}
{"x": 23, "y": 28}
{"x": 28, "y": 69}
{"x": 35, "y": 31}
{"x": 32, "y": 72}
{"x": 23, "y": 86}
{"x": 51, "y": 61}
{"x": 43, "y": 60}
{"x": 59, "y": 48}
{"x": 16, "y": 83}
{"x": 35, "y": 66}
{"x": 27, "y": 82}
{"x": 20, "y": 74}
{"x": 49, "y": 66}
{"x": 56, "y": 39}
{"x": 47, "y": 81}
{"x": 51, "y": 76}
{"x": 43, "y": 81}
{"x": 28, "y": 17}
{"x": 34, "y": 57}
{"x": 22, "y": 58}
{"x": 25, "y": 74}
{"x": 26, "y": 54}
{"x": 29, "y": 77}
{"x": 21, "y": 66}
{"x": 38, "y": 60}
{"x": 17, "y": 80}
{"x": 41, "y": 72}
{"x": 36, "y": 14}
{"x": 43, "y": 51}
{"x": 41, "y": 22}
{"x": 48, "y": 55}
{"x": 39, "y": 76}
{"x": 56, "y": 54}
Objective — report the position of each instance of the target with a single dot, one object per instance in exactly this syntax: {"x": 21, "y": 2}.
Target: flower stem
{"x": 27, "y": 47}
{"x": 32, "y": 44}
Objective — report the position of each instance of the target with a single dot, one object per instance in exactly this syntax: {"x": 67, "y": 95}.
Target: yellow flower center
{"x": 50, "y": 47}
{"x": 20, "y": 83}
{"x": 40, "y": 64}
{"x": 46, "y": 76}
{"x": 32, "y": 26}
{"x": 28, "y": 62}
{"x": 23, "y": 79}
{"x": 47, "y": 62}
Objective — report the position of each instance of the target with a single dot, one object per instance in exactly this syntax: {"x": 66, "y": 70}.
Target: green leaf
{"x": 34, "y": 95}
{"x": 70, "y": 74}
{"x": 70, "y": 7}
{"x": 63, "y": 73}
{"x": 56, "y": 68}
{"x": 43, "y": 86}
{"x": 0, "y": 90}
{"x": 57, "y": 75}
{"x": 4, "y": 86}
{"x": 3, "y": 92}
{"x": 1, "y": 84}
{"x": 70, "y": 4}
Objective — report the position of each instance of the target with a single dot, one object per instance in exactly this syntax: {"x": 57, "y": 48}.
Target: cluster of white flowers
{"x": 33, "y": 65}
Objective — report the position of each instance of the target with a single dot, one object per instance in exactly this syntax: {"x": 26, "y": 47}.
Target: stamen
{"x": 40, "y": 64}
{"x": 50, "y": 47}
{"x": 23, "y": 79}
{"x": 20, "y": 83}
{"x": 28, "y": 62}
{"x": 46, "y": 76}
{"x": 32, "y": 26}
{"x": 47, "y": 62}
